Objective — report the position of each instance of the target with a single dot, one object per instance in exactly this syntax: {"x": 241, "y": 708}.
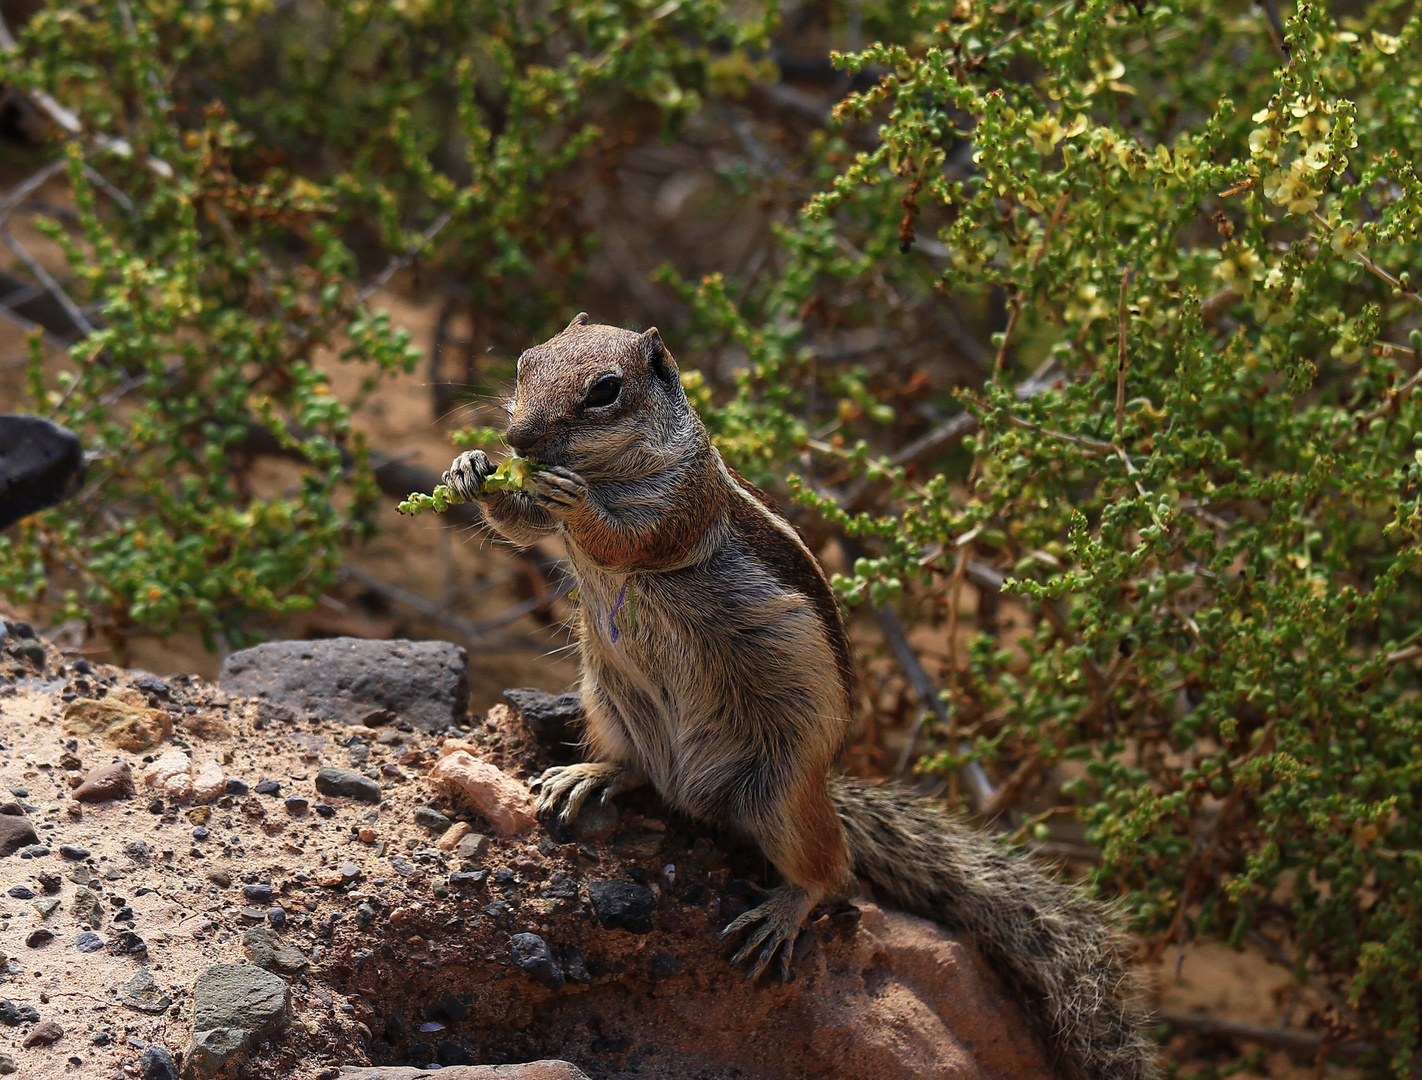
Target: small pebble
{"x": 325, "y": 810}
{"x": 277, "y": 917}
{"x": 155, "y": 805}
{"x": 236, "y": 787}
{"x": 78, "y": 854}
{"x": 296, "y": 805}
{"x": 201, "y": 833}
{"x": 258, "y": 894}
{"x": 19, "y": 892}
{"x": 42, "y": 936}
{"x": 268, "y": 787}
{"x": 157, "y": 1064}
{"x": 88, "y": 942}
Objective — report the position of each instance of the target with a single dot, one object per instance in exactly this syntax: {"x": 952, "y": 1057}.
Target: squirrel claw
{"x": 563, "y": 789}
{"x": 467, "y": 475}
{"x": 776, "y": 924}
{"x": 558, "y": 489}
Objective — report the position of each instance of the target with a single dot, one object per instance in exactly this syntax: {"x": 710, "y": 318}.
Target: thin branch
{"x": 44, "y": 277}
{"x": 1121, "y": 356}
{"x": 21, "y": 191}
{"x": 1298, "y": 1042}
{"x": 1392, "y": 401}
{"x": 1401, "y": 656}
{"x": 400, "y": 262}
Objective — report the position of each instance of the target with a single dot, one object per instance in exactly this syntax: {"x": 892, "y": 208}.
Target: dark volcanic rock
{"x": 142, "y": 993}
{"x": 531, "y": 953}
{"x": 41, "y": 464}
{"x": 623, "y": 905}
{"x": 553, "y": 717}
{"x": 350, "y": 784}
{"x": 423, "y": 682}
{"x": 157, "y": 1064}
{"x": 15, "y": 833}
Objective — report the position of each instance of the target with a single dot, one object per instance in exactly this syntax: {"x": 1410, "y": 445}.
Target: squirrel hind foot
{"x": 773, "y": 928}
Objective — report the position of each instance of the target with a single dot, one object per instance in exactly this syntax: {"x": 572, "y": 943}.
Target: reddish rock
{"x": 46, "y": 1033}
{"x": 110, "y": 782}
{"x": 15, "y": 833}
{"x": 547, "y": 1069}
{"x": 449, "y": 839}
{"x": 506, "y": 802}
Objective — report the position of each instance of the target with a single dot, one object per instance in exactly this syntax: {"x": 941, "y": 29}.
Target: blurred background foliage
{"x": 1079, "y": 338}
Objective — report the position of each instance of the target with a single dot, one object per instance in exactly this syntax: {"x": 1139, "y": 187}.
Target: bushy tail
{"x": 1054, "y": 947}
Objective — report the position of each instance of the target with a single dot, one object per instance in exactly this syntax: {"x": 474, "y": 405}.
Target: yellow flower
{"x": 1264, "y": 142}
{"x": 1045, "y": 133}
{"x": 1348, "y": 242}
{"x": 1386, "y": 43}
{"x": 1317, "y": 155}
{"x": 1291, "y": 190}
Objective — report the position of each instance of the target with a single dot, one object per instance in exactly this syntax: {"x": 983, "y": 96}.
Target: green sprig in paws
{"x": 512, "y": 474}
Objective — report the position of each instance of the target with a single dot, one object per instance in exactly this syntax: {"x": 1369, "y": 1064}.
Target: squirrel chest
{"x": 714, "y": 669}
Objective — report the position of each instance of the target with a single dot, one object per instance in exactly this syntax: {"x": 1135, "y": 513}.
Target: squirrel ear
{"x": 660, "y": 361}
{"x": 580, "y": 319}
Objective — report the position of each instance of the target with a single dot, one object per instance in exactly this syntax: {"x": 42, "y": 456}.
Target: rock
{"x": 15, "y": 833}
{"x": 623, "y": 905}
{"x": 46, "y": 906}
{"x": 233, "y": 1006}
{"x": 41, "y": 464}
{"x": 129, "y": 942}
{"x": 531, "y": 953}
{"x": 236, "y": 787}
{"x": 86, "y": 907}
{"x": 13, "y": 1015}
{"x": 20, "y": 892}
{"x": 553, "y": 717}
{"x": 209, "y": 782}
{"x": 77, "y": 854}
{"x": 596, "y": 820}
{"x": 268, "y": 787}
{"x": 157, "y": 1064}
{"x": 547, "y": 1069}
{"x": 351, "y": 785}
{"x": 143, "y": 994}
{"x": 88, "y": 942}
{"x": 296, "y": 805}
{"x": 41, "y": 936}
{"x": 46, "y": 1033}
{"x": 662, "y": 966}
{"x": 7, "y": 1065}
{"x": 345, "y": 679}
{"x": 129, "y": 727}
{"x": 431, "y": 819}
{"x": 451, "y": 838}
{"x": 266, "y": 950}
{"x": 505, "y": 801}
{"x": 108, "y": 782}
{"x": 171, "y": 774}
{"x": 258, "y": 894}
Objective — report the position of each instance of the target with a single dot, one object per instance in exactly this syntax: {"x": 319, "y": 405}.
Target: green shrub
{"x": 1193, "y": 450}
{"x": 1208, "y": 501}
{"x": 244, "y": 172}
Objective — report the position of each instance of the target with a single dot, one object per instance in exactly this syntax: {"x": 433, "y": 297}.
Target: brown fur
{"x": 732, "y": 689}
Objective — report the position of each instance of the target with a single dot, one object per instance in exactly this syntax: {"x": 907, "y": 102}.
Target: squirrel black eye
{"x": 603, "y": 392}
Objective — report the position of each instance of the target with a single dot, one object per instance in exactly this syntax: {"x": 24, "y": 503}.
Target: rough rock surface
{"x": 41, "y": 463}
{"x": 371, "y": 943}
{"x": 531, "y": 1070}
{"x": 425, "y": 683}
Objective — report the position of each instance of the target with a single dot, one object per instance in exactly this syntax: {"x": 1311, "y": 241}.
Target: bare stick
{"x": 1298, "y": 1042}
{"x": 22, "y": 190}
{"x": 400, "y": 262}
{"x": 1121, "y": 356}
{"x": 44, "y": 277}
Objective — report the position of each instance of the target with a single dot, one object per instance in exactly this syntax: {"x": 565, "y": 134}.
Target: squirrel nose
{"x": 522, "y": 438}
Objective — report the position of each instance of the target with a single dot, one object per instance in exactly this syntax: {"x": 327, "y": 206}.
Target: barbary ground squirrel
{"x": 730, "y": 690}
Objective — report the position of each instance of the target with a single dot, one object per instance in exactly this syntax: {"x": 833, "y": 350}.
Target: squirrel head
{"x": 594, "y": 395}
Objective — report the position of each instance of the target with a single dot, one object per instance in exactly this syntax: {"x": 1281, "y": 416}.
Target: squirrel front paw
{"x": 557, "y": 489}
{"x": 467, "y": 475}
